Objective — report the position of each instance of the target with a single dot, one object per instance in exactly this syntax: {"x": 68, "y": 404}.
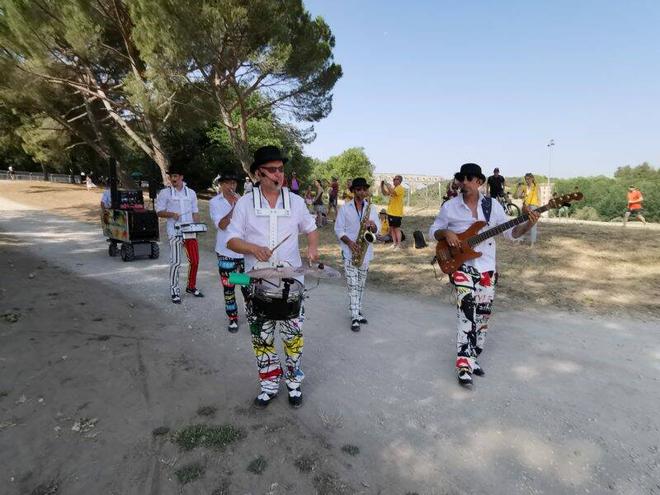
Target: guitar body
{"x": 451, "y": 258}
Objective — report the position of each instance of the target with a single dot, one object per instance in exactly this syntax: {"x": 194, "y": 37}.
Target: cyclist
{"x": 496, "y": 184}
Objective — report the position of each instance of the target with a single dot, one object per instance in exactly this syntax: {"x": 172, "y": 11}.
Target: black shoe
{"x": 362, "y": 319}
{"x": 295, "y": 397}
{"x": 262, "y": 400}
{"x": 355, "y": 325}
{"x": 464, "y": 377}
{"x": 176, "y": 298}
{"x": 194, "y": 292}
{"x": 478, "y": 370}
{"x": 233, "y": 326}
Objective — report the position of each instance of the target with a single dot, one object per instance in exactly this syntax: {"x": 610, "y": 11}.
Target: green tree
{"x": 352, "y": 163}
{"x": 231, "y": 51}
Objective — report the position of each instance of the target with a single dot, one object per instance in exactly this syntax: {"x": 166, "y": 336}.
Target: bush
{"x": 587, "y": 213}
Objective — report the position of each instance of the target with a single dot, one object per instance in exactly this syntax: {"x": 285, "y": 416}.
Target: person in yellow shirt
{"x": 394, "y": 208}
{"x": 384, "y": 227}
{"x": 529, "y": 192}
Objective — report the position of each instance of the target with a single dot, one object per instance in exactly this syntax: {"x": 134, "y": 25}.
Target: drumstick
{"x": 280, "y": 243}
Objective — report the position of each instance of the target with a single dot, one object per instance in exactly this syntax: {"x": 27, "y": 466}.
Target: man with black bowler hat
{"x": 474, "y": 282}
{"x": 264, "y": 227}
{"x": 356, "y": 252}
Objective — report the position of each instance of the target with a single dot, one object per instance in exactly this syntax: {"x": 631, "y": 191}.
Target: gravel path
{"x": 568, "y": 404}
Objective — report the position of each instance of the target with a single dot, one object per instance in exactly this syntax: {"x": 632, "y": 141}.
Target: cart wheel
{"x": 127, "y": 252}
{"x": 155, "y": 251}
{"x": 512, "y": 210}
{"x": 112, "y": 249}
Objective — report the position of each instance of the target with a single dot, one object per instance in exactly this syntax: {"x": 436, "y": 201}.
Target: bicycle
{"x": 510, "y": 208}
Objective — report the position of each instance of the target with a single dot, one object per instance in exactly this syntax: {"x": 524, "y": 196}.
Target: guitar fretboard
{"x": 479, "y": 238}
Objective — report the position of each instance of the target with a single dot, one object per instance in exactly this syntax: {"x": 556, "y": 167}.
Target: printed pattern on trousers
{"x": 226, "y": 266}
{"x": 268, "y": 362}
{"x": 474, "y": 294}
{"x": 356, "y": 281}
{"x": 192, "y": 253}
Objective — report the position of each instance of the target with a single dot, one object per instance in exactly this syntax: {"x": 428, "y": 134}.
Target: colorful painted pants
{"x": 192, "y": 252}
{"x": 356, "y": 280}
{"x": 474, "y": 293}
{"x": 268, "y": 362}
{"x": 226, "y": 266}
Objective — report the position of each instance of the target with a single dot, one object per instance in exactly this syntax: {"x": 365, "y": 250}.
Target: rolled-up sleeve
{"x": 161, "y": 201}
{"x": 441, "y": 222}
{"x": 237, "y": 226}
{"x": 340, "y": 223}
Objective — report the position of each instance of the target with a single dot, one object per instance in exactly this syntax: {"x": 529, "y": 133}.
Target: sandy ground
{"x": 98, "y": 358}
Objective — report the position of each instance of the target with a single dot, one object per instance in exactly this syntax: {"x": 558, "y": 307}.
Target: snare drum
{"x": 283, "y": 302}
{"x": 190, "y": 230}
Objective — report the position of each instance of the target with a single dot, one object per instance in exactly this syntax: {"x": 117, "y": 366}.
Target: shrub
{"x": 587, "y": 213}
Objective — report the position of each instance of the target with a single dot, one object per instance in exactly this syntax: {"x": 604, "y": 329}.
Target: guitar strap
{"x": 487, "y": 206}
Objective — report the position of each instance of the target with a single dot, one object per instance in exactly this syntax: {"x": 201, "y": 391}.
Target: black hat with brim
{"x": 359, "y": 182}
{"x": 228, "y": 175}
{"x": 473, "y": 170}
{"x": 267, "y": 154}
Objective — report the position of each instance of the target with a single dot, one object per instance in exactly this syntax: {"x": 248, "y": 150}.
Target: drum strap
{"x": 262, "y": 209}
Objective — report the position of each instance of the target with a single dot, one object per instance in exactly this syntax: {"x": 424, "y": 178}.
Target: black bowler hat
{"x": 227, "y": 175}
{"x": 267, "y": 154}
{"x": 471, "y": 169}
{"x": 359, "y": 182}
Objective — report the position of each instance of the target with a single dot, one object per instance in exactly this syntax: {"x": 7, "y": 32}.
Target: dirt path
{"x": 568, "y": 404}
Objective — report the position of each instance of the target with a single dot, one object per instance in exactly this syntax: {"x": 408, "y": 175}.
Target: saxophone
{"x": 364, "y": 238}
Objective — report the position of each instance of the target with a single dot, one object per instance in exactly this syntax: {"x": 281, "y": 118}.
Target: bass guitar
{"x": 451, "y": 258}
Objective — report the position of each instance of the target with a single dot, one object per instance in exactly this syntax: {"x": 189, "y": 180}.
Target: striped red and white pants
{"x": 192, "y": 252}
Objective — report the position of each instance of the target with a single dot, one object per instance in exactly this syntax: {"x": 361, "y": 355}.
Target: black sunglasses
{"x": 461, "y": 177}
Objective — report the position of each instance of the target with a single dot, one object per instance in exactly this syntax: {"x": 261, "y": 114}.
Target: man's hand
{"x": 313, "y": 254}
{"x": 354, "y": 246}
{"x": 533, "y": 216}
{"x": 452, "y": 239}
{"x": 371, "y": 225}
{"x": 262, "y": 253}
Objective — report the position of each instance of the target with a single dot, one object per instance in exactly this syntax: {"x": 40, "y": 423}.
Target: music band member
{"x": 354, "y": 219}
{"x": 261, "y": 220}
{"x": 474, "y": 282}
{"x": 221, "y": 208}
{"x": 178, "y": 204}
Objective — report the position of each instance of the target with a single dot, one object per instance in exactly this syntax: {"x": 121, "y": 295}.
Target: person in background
{"x": 496, "y": 184}
{"x": 247, "y": 185}
{"x": 384, "y": 229}
{"x": 394, "y": 208}
{"x": 295, "y": 184}
{"x": 333, "y": 194}
{"x": 635, "y": 200}
{"x": 309, "y": 199}
{"x": 221, "y": 208}
{"x": 529, "y": 192}
{"x": 319, "y": 207}
{"x": 178, "y": 204}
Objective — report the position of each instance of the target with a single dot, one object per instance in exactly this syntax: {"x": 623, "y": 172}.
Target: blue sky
{"x": 430, "y": 85}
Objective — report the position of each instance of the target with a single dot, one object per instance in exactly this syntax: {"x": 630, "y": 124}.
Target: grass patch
{"x": 351, "y": 449}
{"x": 331, "y": 484}
{"x": 223, "y": 487}
{"x": 51, "y": 488}
{"x": 209, "y": 436}
{"x": 258, "y": 465}
{"x": 189, "y": 472}
{"x": 161, "y": 430}
{"x": 307, "y": 463}
{"x": 206, "y": 411}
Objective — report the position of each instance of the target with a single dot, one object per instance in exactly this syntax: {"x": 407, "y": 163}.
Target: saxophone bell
{"x": 369, "y": 237}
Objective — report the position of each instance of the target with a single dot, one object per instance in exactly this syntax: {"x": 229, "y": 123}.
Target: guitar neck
{"x": 479, "y": 238}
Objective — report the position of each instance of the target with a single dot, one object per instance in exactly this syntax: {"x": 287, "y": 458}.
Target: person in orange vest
{"x": 635, "y": 200}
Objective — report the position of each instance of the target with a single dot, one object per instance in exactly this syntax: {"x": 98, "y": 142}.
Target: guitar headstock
{"x": 557, "y": 201}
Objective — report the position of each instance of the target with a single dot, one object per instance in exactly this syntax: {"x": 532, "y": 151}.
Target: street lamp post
{"x": 550, "y": 146}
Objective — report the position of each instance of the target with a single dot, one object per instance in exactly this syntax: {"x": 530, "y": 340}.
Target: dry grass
{"x": 592, "y": 267}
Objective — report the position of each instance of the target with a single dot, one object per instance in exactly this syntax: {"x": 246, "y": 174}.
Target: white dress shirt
{"x": 246, "y": 225}
{"x": 348, "y": 224}
{"x": 219, "y": 208}
{"x": 183, "y": 202}
{"x": 456, "y": 216}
